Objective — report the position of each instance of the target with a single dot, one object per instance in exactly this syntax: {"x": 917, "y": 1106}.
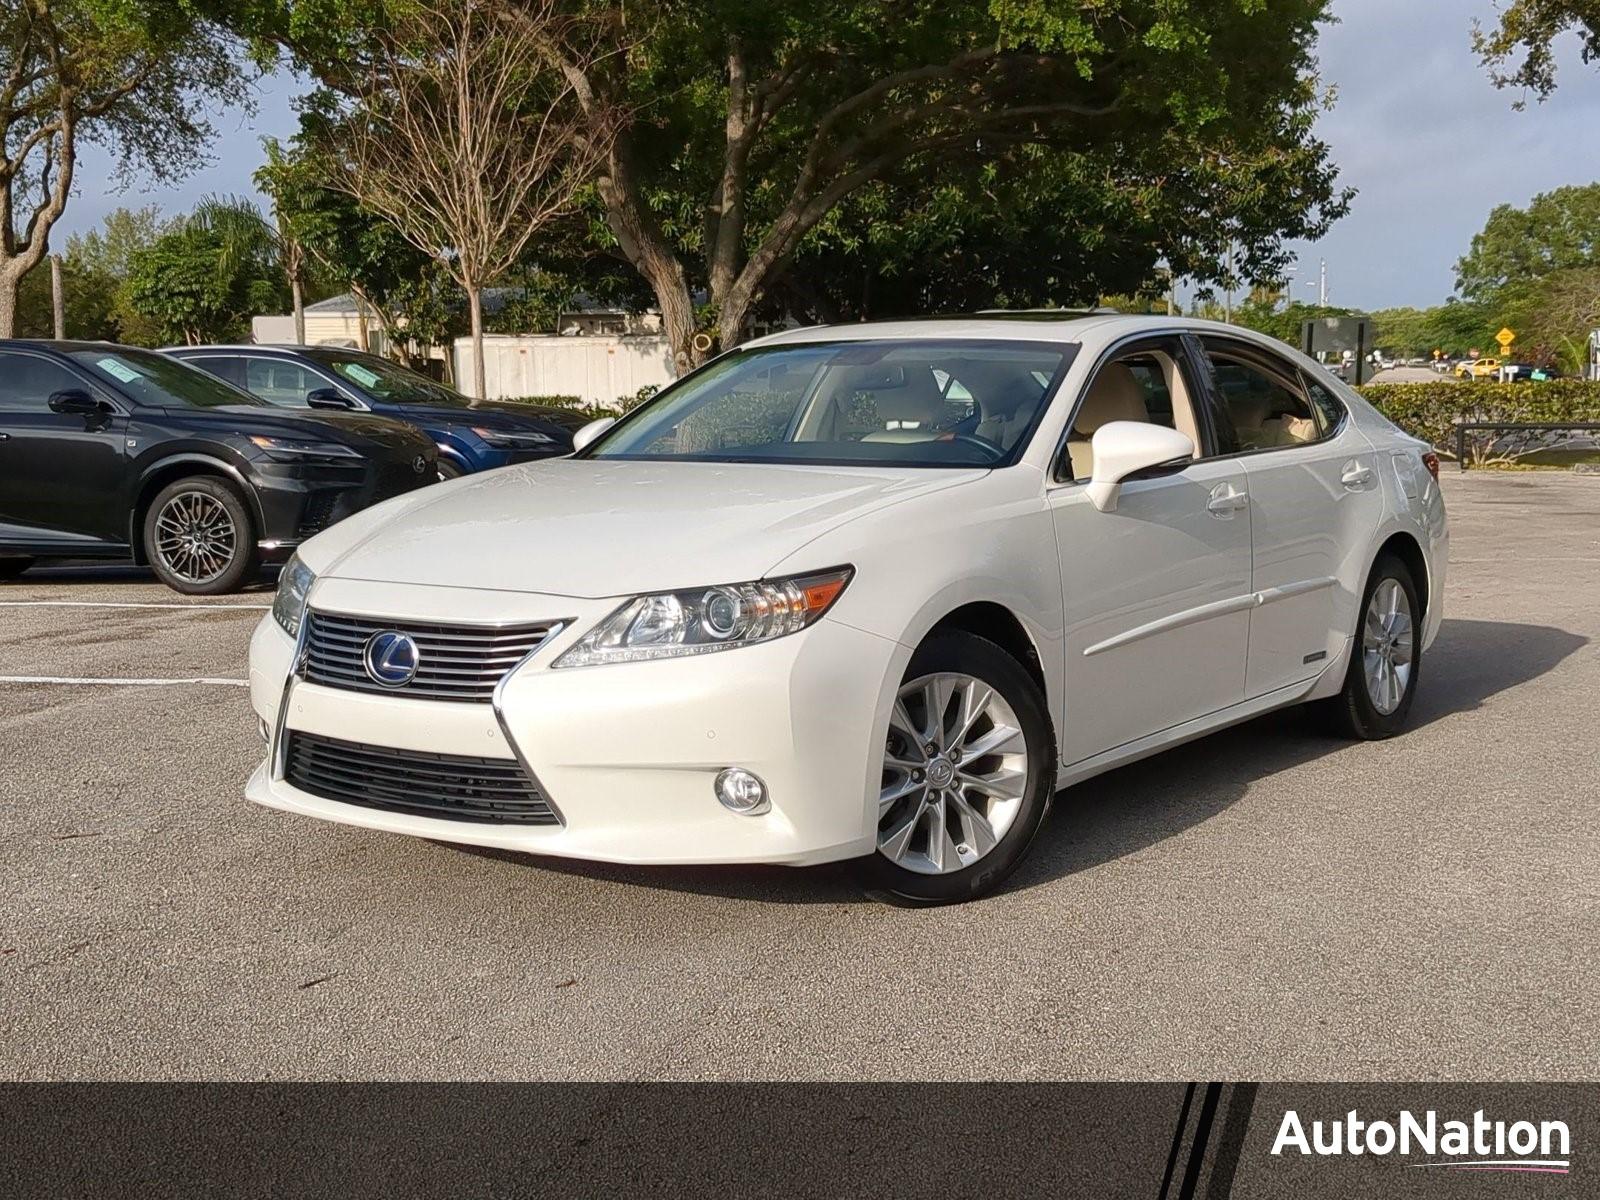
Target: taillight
{"x": 1431, "y": 461}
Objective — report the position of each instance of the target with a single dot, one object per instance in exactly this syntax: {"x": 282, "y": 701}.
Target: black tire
{"x": 983, "y": 660}
{"x": 449, "y": 470}
{"x": 1352, "y": 712}
{"x": 10, "y": 568}
{"x": 242, "y": 561}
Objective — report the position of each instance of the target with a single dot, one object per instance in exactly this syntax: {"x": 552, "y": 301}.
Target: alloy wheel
{"x": 955, "y": 769}
{"x": 1386, "y": 646}
{"x": 196, "y": 539}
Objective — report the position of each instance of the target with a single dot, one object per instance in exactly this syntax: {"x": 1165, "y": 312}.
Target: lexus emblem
{"x": 391, "y": 658}
{"x": 419, "y": 464}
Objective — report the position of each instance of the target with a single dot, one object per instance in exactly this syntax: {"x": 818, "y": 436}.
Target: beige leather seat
{"x": 919, "y": 402}
{"x": 1115, "y": 395}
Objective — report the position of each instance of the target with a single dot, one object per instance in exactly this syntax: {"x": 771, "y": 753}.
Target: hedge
{"x": 1431, "y": 410}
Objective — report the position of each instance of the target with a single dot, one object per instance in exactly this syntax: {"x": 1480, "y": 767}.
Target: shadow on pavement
{"x": 1132, "y": 807}
{"x": 84, "y": 572}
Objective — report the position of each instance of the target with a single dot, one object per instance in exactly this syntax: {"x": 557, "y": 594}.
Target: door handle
{"x": 1225, "y": 500}
{"x": 1356, "y": 476}
{"x": 5, "y": 437}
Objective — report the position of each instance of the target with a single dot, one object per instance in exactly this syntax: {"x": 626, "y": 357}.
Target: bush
{"x": 547, "y": 401}
{"x": 1431, "y": 410}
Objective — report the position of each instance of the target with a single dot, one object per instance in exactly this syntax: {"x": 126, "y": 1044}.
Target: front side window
{"x": 158, "y": 380}
{"x": 383, "y": 380}
{"x": 920, "y": 403}
{"x": 1263, "y": 399}
{"x": 1145, "y": 384}
{"x": 27, "y": 382}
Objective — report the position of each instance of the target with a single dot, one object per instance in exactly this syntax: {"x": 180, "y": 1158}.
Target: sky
{"x": 1428, "y": 142}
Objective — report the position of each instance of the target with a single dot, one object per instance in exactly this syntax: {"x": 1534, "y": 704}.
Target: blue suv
{"x": 470, "y": 437}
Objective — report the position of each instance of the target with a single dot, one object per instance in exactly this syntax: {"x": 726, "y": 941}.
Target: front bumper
{"x": 300, "y": 500}
{"x": 627, "y": 753}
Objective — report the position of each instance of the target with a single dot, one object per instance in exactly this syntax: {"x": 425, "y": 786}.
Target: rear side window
{"x": 1264, "y": 399}
{"x": 278, "y": 382}
{"x": 26, "y": 382}
{"x": 227, "y": 367}
{"x": 1329, "y": 411}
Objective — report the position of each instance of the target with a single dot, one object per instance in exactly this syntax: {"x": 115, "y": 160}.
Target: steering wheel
{"x": 984, "y": 444}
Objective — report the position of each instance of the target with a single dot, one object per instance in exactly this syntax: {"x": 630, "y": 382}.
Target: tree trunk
{"x": 8, "y": 305}
{"x": 58, "y": 306}
{"x": 475, "y": 307}
{"x": 298, "y": 290}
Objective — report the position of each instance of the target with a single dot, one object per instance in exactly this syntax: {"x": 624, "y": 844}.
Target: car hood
{"x": 489, "y": 415}
{"x": 359, "y": 430}
{"x": 589, "y": 528}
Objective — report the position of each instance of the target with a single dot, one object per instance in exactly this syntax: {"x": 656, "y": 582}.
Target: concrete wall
{"x": 597, "y": 369}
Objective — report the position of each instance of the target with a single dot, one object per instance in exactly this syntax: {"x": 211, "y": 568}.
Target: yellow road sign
{"x": 1505, "y": 337}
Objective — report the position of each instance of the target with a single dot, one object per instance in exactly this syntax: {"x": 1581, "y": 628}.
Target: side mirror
{"x": 329, "y": 398}
{"x": 75, "y": 401}
{"x": 1124, "y": 448}
{"x": 591, "y": 431}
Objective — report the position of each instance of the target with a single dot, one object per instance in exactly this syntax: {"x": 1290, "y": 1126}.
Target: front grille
{"x": 454, "y": 662}
{"x": 453, "y": 787}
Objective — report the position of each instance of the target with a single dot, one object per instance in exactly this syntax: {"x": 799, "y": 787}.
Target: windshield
{"x": 155, "y": 379}
{"x": 921, "y": 403}
{"x": 385, "y": 380}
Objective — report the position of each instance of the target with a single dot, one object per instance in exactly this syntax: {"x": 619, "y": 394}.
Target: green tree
{"x": 1284, "y": 324}
{"x": 137, "y": 76}
{"x": 349, "y": 247}
{"x": 752, "y": 124}
{"x": 1520, "y": 50}
{"x": 197, "y": 284}
{"x": 1558, "y": 231}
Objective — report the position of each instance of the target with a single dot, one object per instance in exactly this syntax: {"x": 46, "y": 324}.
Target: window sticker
{"x": 359, "y": 373}
{"x": 119, "y": 370}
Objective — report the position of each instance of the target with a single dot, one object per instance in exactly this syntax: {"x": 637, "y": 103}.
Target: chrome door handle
{"x": 1225, "y": 501}
{"x": 5, "y": 437}
{"x": 1356, "y": 475}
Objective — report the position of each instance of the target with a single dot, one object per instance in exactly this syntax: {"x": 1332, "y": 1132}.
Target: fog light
{"x": 741, "y": 792}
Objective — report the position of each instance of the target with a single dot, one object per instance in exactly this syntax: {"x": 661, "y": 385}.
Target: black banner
{"x": 1158, "y": 1141}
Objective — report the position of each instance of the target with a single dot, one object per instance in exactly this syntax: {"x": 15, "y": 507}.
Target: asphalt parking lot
{"x": 1267, "y": 904}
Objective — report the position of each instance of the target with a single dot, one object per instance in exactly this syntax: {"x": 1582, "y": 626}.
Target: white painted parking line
{"x": 89, "y": 680}
{"x": 130, "y": 604}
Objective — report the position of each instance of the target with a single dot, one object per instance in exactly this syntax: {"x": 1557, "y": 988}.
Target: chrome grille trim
{"x": 462, "y": 663}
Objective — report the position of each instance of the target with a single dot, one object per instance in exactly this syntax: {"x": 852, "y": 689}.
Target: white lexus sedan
{"x": 873, "y": 592}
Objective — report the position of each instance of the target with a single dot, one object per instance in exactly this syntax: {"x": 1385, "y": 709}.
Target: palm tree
{"x": 249, "y": 236}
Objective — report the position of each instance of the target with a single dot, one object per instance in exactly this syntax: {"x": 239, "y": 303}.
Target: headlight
{"x": 298, "y": 449}
{"x": 505, "y": 439}
{"x": 294, "y": 585}
{"x": 704, "y": 620}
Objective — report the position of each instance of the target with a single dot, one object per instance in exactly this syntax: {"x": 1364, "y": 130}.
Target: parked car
{"x": 1524, "y": 372}
{"x": 871, "y": 591}
{"x": 1477, "y": 368}
{"x": 112, "y": 452}
{"x": 471, "y": 437}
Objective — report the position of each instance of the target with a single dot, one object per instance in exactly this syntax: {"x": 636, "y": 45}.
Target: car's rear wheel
{"x": 967, "y": 775}
{"x": 1381, "y": 680}
{"x": 10, "y": 568}
{"x": 199, "y": 537}
{"x": 449, "y": 470}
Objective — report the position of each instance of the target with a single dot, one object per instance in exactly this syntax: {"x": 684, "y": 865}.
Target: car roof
{"x": 59, "y": 347}
{"x": 1033, "y": 325}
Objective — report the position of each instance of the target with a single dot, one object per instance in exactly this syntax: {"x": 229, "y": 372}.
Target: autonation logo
{"x": 1476, "y": 1145}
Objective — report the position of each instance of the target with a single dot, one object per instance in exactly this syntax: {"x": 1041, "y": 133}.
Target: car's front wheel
{"x": 199, "y": 537}
{"x": 967, "y": 775}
